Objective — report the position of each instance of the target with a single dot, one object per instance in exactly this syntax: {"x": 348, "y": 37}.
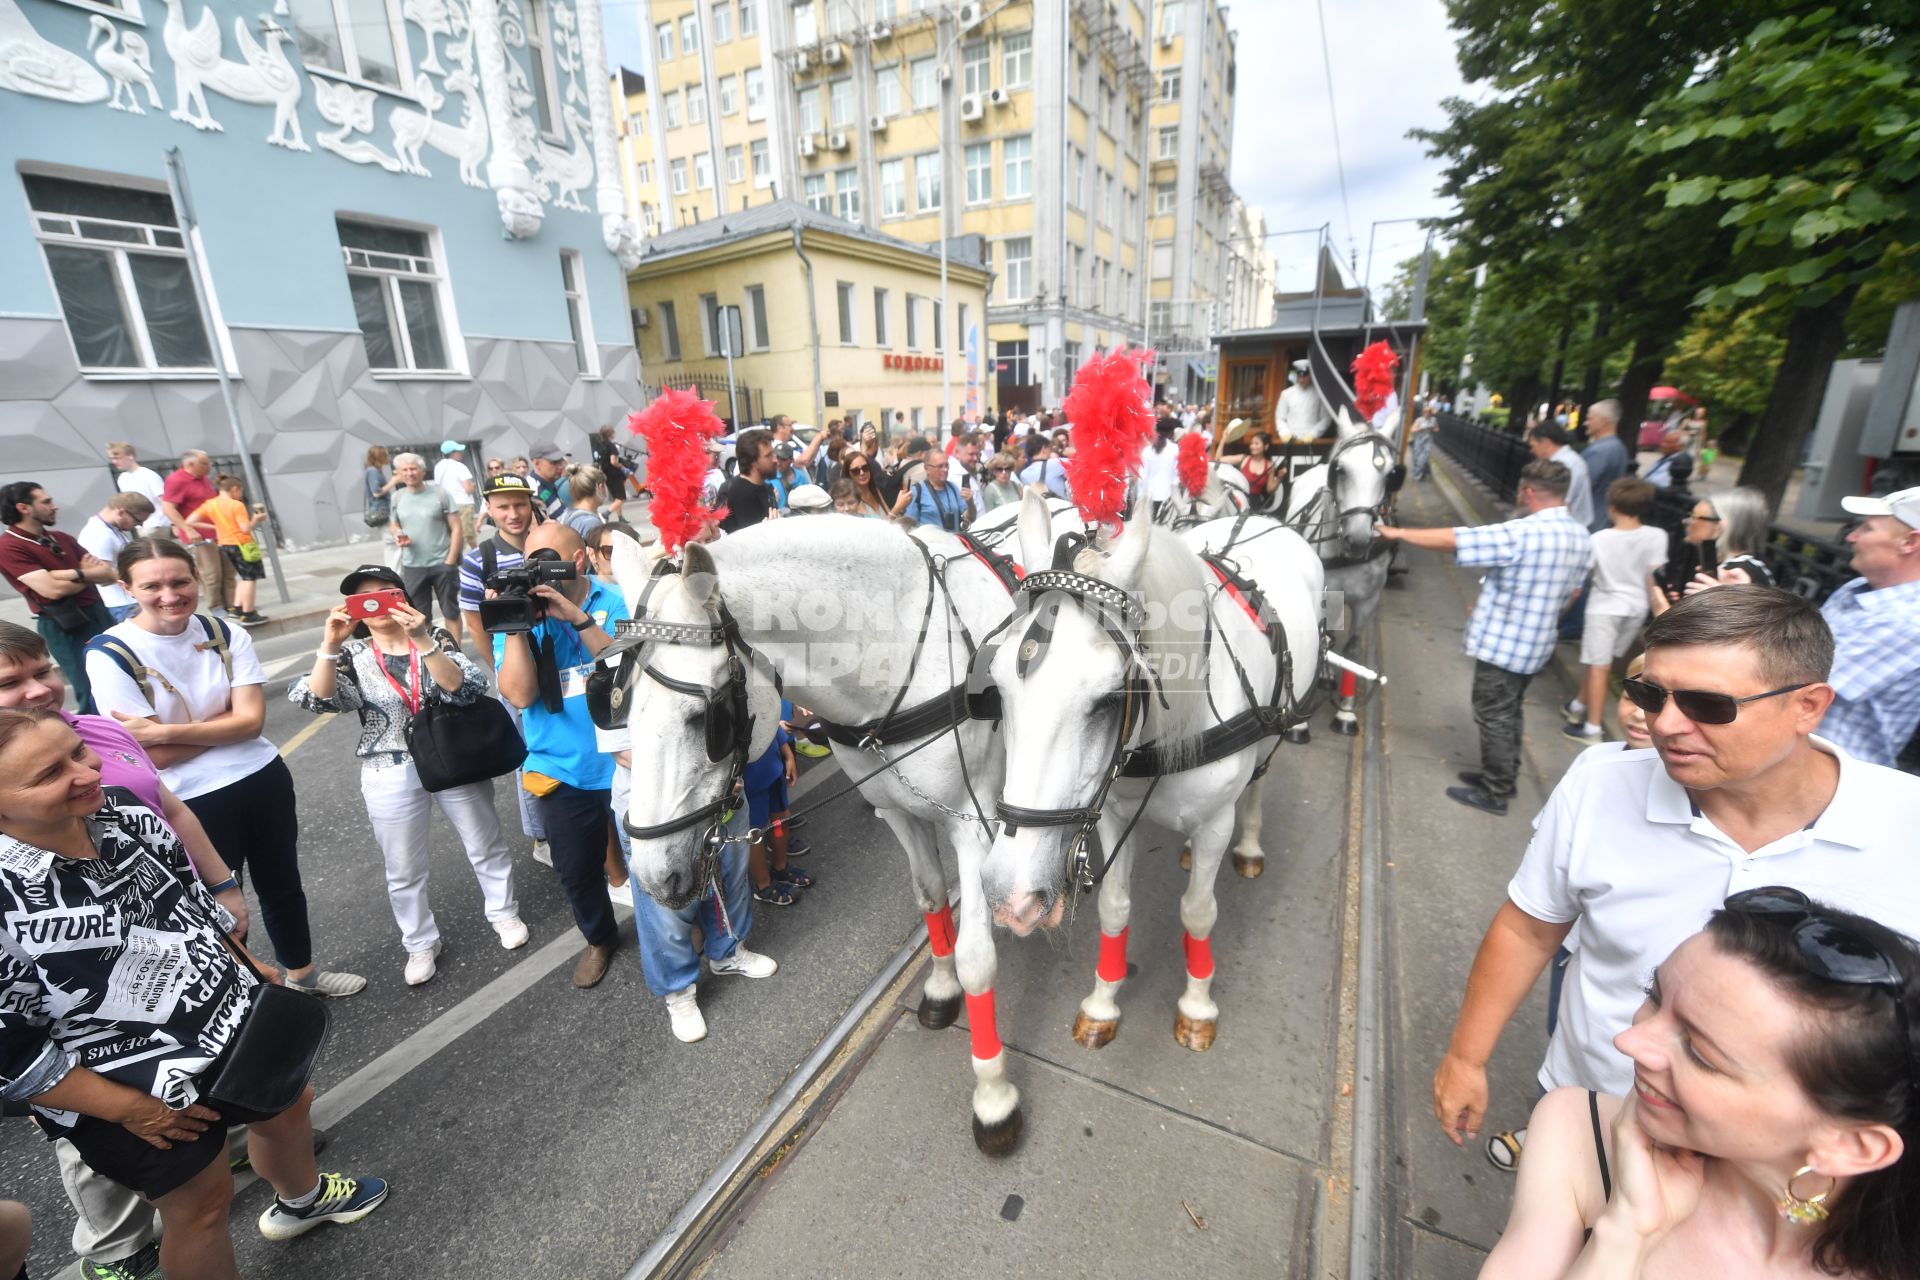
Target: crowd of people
{"x": 1741, "y": 842}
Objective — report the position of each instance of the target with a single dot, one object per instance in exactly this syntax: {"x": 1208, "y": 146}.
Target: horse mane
{"x": 1169, "y": 575}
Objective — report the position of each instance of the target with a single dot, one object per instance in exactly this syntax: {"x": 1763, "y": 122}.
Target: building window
{"x": 1165, "y": 198}
{"x": 1130, "y": 226}
{"x": 649, "y": 221}
{"x": 749, "y": 17}
{"x": 1172, "y": 17}
{"x": 979, "y": 164}
{"x": 840, "y": 102}
{"x": 573, "y": 279}
{"x": 762, "y": 162}
{"x": 722, "y": 22}
{"x": 975, "y": 76}
{"x": 805, "y": 31}
{"x": 1018, "y": 273}
{"x": 1010, "y": 362}
{"x": 1103, "y": 112}
{"x": 1161, "y": 262}
{"x": 663, "y": 42}
{"x": 1016, "y": 60}
{"x": 1170, "y": 84}
{"x": 960, "y": 327}
{"x": 756, "y": 91}
{"x": 1106, "y": 199}
{"x": 939, "y": 335}
{"x": 678, "y": 168}
{"x": 893, "y": 188}
{"x": 882, "y": 331}
{"x": 643, "y": 174}
{"x": 690, "y": 33}
{"x": 358, "y": 38}
{"x": 670, "y": 108}
{"x": 1076, "y": 177}
{"x": 546, "y": 80}
{"x": 913, "y": 323}
{"x": 886, "y": 90}
{"x": 1018, "y": 156}
{"x": 1075, "y": 283}
{"x": 926, "y": 181}
{"x": 119, "y": 267}
{"x": 925, "y": 84}
{"x": 703, "y": 171}
{"x": 669, "y": 332}
{"x": 1160, "y": 316}
{"x": 757, "y": 315}
{"x": 1099, "y": 285}
{"x": 696, "y": 104}
{"x": 710, "y": 323}
{"x": 736, "y": 164}
{"x": 844, "y": 290}
{"x": 1169, "y": 143}
{"x": 814, "y": 187}
{"x": 729, "y": 90}
{"x": 810, "y": 109}
{"x": 846, "y": 194}
{"x": 395, "y": 285}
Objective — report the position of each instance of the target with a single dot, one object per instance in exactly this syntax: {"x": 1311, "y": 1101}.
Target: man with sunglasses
{"x": 1876, "y": 622}
{"x": 1534, "y": 565}
{"x": 1636, "y": 848}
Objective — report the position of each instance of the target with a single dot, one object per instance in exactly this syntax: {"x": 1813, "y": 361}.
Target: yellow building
{"x": 831, "y": 319}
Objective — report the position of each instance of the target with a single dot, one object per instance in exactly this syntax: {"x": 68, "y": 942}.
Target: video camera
{"x": 513, "y": 607}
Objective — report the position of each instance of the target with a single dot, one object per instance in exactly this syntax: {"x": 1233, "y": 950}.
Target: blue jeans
{"x": 667, "y": 956}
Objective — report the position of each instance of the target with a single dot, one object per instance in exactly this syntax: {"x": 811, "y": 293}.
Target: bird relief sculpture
{"x": 123, "y": 55}
{"x": 465, "y": 142}
{"x": 560, "y": 175}
{"x": 435, "y": 18}
{"x": 266, "y": 78}
{"x": 349, "y": 109}
{"x": 32, "y": 64}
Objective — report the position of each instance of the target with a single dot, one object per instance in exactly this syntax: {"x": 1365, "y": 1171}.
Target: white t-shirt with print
{"x": 1622, "y": 559}
{"x": 189, "y": 684}
{"x": 453, "y": 477}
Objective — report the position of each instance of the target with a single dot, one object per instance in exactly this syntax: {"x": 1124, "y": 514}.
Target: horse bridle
{"x": 1310, "y": 521}
{"x": 1121, "y": 617}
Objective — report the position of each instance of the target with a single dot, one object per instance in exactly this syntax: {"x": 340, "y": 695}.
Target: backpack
{"x": 218, "y": 639}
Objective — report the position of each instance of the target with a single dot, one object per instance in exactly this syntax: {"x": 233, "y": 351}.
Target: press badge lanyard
{"x": 411, "y": 697}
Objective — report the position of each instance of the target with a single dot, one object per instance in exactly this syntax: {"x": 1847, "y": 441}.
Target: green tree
{"x": 1804, "y": 141}
{"x": 1728, "y": 360}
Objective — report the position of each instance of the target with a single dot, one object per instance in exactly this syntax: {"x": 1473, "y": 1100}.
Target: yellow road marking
{"x": 299, "y": 739}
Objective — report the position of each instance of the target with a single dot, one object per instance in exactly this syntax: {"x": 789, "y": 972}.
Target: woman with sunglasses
{"x": 1001, "y": 487}
{"x": 1775, "y": 1092}
{"x": 858, "y": 467}
{"x": 1720, "y": 546}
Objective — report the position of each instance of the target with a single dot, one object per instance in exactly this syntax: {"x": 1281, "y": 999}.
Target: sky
{"x": 1392, "y": 64}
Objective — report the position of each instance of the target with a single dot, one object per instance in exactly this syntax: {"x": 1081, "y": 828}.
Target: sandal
{"x": 1503, "y": 1149}
{"x": 794, "y": 874}
{"x": 776, "y": 894}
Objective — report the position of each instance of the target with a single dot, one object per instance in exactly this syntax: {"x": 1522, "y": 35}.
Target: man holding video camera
{"x": 548, "y": 617}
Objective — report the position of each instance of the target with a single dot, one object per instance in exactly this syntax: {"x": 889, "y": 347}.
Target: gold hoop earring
{"x": 1805, "y": 1210}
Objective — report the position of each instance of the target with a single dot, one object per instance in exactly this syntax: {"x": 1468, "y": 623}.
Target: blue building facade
{"x": 409, "y": 216}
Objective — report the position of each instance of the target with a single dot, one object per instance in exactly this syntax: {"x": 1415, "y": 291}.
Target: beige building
{"x": 829, "y": 319}
{"x": 1252, "y": 273}
{"x": 1029, "y": 131}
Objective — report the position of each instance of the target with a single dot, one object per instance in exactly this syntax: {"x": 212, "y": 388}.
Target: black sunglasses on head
{"x": 1698, "y": 705}
{"x": 1834, "y": 952}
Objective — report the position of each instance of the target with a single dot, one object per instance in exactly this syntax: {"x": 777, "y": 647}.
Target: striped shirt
{"x": 1876, "y": 669}
{"x": 1535, "y": 564}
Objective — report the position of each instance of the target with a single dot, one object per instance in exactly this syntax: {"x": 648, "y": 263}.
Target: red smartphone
{"x": 371, "y": 604}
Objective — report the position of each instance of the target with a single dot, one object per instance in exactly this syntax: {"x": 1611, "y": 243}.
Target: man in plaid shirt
{"x": 1535, "y": 565}
{"x": 1876, "y": 632}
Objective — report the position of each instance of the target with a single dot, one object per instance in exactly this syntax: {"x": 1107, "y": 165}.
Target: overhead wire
{"x": 1333, "y": 114}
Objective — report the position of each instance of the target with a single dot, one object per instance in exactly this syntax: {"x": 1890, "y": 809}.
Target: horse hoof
{"x": 936, "y": 1015}
{"x": 1299, "y": 737}
{"x": 1249, "y": 868}
{"x": 1000, "y": 1139}
{"x": 1346, "y": 726}
{"x": 1195, "y": 1033}
{"x": 1094, "y": 1033}
{"x": 1186, "y": 858}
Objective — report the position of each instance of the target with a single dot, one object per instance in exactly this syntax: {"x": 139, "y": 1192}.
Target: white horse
{"x": 864, "y": 622}
{"x": 1335, "y": 505}
{"x": 1224, "y": 494}
{"x": 1127, "y": 652}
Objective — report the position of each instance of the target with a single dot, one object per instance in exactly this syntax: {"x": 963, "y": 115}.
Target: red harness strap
{"x": 1003, "y": 567}
{"x": 1239, "y": 597}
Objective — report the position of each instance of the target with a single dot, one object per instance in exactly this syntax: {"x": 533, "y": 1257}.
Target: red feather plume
{"x": 1193, "y": 464}
{"x": 676, "y": 427}
{"x": 1111, "y": 422}
{"x": 1373, "y": 378}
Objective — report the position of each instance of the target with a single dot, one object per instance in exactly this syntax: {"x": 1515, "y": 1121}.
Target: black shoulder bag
{"x": 454, "y": 745}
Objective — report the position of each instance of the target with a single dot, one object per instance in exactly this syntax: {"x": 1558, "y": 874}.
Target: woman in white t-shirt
{"x": 189, "y": 688}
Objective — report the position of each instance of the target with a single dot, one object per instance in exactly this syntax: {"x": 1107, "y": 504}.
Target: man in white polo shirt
{"x": 1636, "y": 849}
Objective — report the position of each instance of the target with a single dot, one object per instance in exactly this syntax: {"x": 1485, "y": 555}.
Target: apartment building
{"x": 1252, "y": 271}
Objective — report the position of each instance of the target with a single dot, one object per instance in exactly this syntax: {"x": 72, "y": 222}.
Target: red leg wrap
{"x": 940, "y": 930}
{"x": 1199, "y": 956}
{"x": 1349, "y": 684}
{"x": 1113, "y": 957}
{"x": 986, "y": 1038}
{"x": 779, "y": 827}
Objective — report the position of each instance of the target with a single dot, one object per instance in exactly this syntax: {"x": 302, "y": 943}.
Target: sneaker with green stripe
{"x": 144, "y": 1265}
{"x": 341, "y": 1199}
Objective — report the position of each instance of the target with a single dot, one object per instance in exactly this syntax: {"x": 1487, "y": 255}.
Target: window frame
{"x": 845, "y": 295}
{"x": 722, "y": 22}
{"x": 753, "y": 92}
{"x": 1016, "y": 63}
{"x": 670, "y": 115}
{"x": 976, "y": 66}
{"x": 840, "y": 102}
{"x": 814, "y": 185}
{"x": 662, "y": 42}
{"x": 810, "y": 109}
{"x": 344, "y": 26}
{"x": 985, "y": 170}
{"x": 573, "y": 274}
{"x": 882, "y": 326}
{"x": 749, "y": 24}
{"x": 444, "y": 316}
{"x": 1024, "y": 268}
{"x": 887, "y": 85}
{"x": 696, "y": 103}
{"x": 913, "y": 322}
{"x": 1170, "y": 78}
{"x": 669, "y": 331}
{"x": 893, "y": 195}
{"x": 931, "y": 68}
{"x": 729, "y": 86}
{"x": 1014, "y": 165}
{"x": 846, "y": 194}
{"x": 703, "y": 160}
{"x": 690, "y": 26}
{"x": 547, "y": 76}
{"x": 736, "y": 163}
{"x": 927, "y": 164}
{"x": 760, "y": 162}
{"x": 758, "y": 332}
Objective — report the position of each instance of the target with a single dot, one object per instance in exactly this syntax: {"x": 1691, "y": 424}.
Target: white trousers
{"x": 402, "y": 813}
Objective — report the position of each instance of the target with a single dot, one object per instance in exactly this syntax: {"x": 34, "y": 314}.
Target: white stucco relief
{"x": 510, "y": 133}
{"x": 265, "y": 78}
{"x": 31, "y": 63}
{"x": 123, "y": 55}
{"x": 465, "y": 142}
{"x": 620, "y": 233}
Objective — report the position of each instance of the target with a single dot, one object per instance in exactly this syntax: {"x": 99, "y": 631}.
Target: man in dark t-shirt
{"x": 57, "y": 578}
{"x": 747, "y": 498}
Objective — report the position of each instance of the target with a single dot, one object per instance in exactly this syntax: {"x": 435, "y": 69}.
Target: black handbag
{"x": 454, "y": 745}
{"x": 272, "y": 1055}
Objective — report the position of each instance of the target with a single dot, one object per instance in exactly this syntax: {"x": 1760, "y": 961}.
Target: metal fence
{"x": 1493, "y": 457}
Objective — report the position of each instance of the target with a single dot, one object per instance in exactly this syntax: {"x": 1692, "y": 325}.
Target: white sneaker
{"x": 1574, "y": 711}
{"x": 621, "y": 893}
{"x": 748, "y": 964}
{"x": 543, "y": 853}
{"x": 683, "y": 1008}
{"x": 513, "y": 934}
{"x": 420, "y": 966}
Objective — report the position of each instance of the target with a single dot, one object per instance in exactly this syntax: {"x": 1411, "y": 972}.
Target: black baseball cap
{"x": 373, "y": 572}
{"x": 506, "y": 482}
